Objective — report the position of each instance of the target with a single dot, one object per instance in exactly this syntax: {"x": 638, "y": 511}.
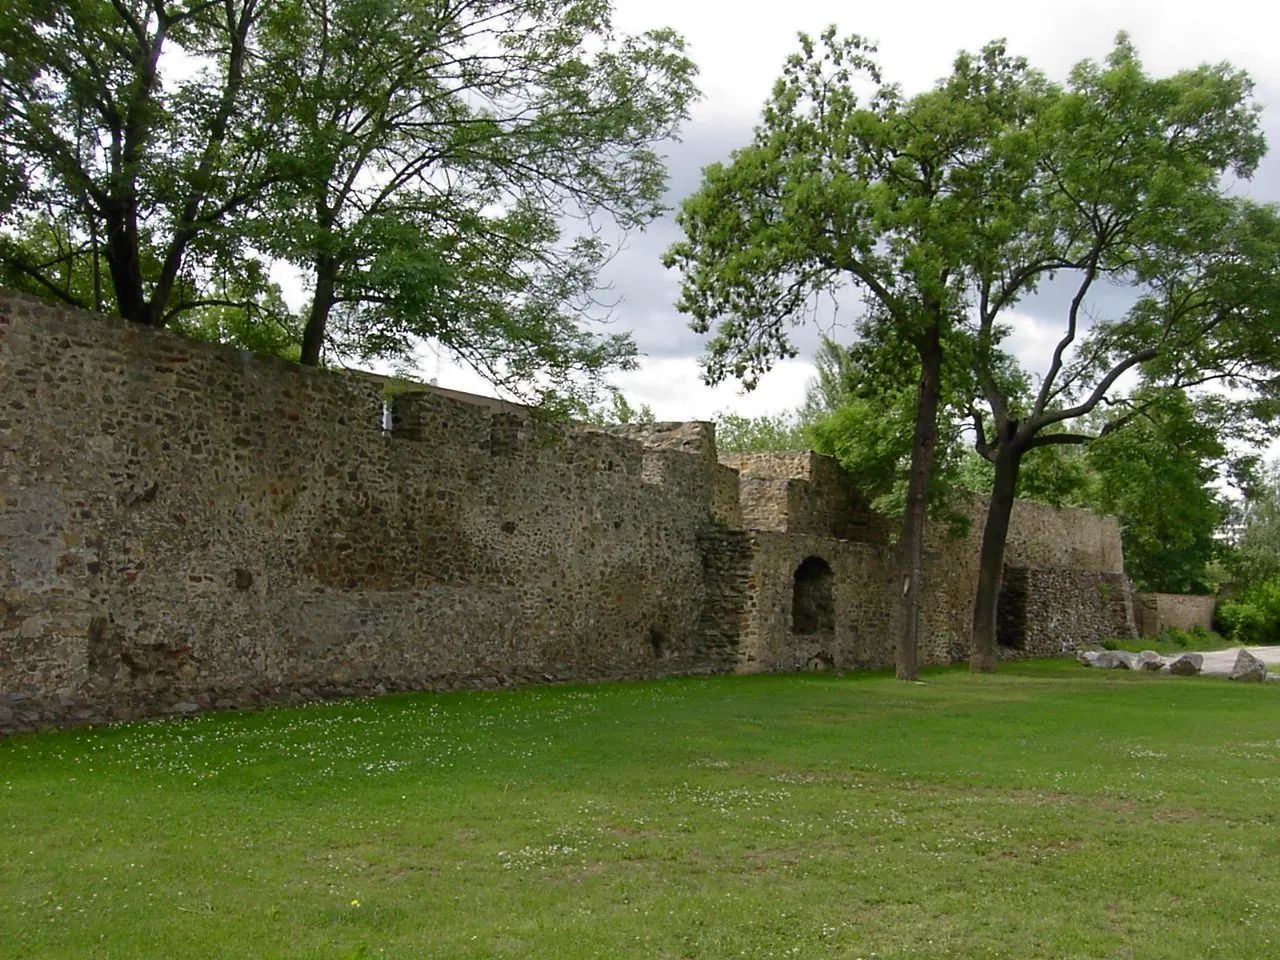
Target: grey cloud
{"x": 645, "y": 292}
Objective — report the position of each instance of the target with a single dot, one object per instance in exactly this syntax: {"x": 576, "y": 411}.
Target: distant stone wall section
{"x": 1158, "y": 612}
{"x": 186, "y": 526}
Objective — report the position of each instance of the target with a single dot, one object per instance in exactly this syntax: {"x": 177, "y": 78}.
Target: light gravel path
{"x": 1218, "y": 663}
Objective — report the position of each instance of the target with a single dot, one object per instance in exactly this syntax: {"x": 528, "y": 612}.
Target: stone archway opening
{"x": 813, "y": 608}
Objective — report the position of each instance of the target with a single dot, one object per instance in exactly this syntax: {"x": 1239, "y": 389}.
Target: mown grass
{"x": 1048, "y": 812}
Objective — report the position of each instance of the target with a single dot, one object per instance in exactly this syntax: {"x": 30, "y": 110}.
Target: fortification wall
{"x": 1157, "y": 612}
{"x": 1065, "y": 584}
{"x": 184, "y": 525}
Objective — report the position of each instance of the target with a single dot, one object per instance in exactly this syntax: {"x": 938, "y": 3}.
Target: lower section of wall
{"x": 1069, "y": 609}
{"x": 1044, "y": 612}
{"x": 813, "y": 602}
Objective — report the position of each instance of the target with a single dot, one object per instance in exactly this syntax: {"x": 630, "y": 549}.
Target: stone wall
{"x": 185, "y": 526}
{"x": 182, "y": 523}
{"x": 1157, "y": 612}
{"x": 1064, "y": 577}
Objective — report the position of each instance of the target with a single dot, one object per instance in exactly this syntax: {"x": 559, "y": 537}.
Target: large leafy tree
{"x": 1126, "y": 192}
{"x": 442, "y": 150}
{"x": 128, "y": 136}
{"x": 849, "y": 185}
{"x": 438, "y": 171}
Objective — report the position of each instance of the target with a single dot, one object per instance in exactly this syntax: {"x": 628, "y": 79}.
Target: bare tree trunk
{"x": 995, "y": 533}
{"x": 318, "y": 318}
{"x": 911, "y": 557}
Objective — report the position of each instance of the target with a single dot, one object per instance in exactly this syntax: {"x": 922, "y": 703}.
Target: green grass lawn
{"x": 1050, "y": 811}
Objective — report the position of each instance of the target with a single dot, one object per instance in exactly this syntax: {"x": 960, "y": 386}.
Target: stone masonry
{"x": 186, "y": 526}
{"x": 1158, "y": 612}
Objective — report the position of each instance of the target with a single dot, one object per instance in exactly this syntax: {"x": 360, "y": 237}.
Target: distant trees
{"x": 419, "y": 162}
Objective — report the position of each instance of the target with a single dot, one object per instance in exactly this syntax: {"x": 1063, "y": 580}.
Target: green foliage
{"x": 881, "y": 192}
{"x": 1253, "y": 556}
{"x": 1158, "y": 476}
{"x": 421, "y": 163}
{"x": 763, "y": 434}
{"x": 432, "y": 186}
{"x": 618, "y": 411}
{"x": 135, "y": 165}
{"x": 1201, "y": 266}
{"x": 861, "y": 409}
{"x": 1253, "y": 617}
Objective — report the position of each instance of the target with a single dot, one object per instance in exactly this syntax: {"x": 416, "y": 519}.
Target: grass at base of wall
{"x": 1173, "y": 642}
{"x": 1047, "y": 812}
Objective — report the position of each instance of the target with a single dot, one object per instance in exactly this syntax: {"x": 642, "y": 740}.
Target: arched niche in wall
{"x": 813, "y": 608}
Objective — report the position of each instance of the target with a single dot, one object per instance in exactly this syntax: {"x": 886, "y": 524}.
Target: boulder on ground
{"x": 1127, "y": 660}
{"x": 1186, "y": 664}
{"x": 1248, "y": 667}
{"x": 1109, "y": 659}
{"x": 1150, "y": 660}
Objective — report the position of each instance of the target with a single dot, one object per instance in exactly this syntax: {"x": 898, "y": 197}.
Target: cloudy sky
{"x": 739, "y": 48}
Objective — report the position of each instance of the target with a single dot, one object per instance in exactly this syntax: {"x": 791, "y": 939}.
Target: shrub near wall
{"x": 1253, "y": 618}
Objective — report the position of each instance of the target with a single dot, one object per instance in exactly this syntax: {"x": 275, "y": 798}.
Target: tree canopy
{"x": 946, "y": 211}
{"x": 438, "y": 172}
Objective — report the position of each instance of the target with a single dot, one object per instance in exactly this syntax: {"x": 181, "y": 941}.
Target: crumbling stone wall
{"x": 1157, "y": 612}
{"x": 1064, "y": 573}
{"x": 1067, "y": 609}
{"x": 185, "y": 526}
{"x": 806, "y": 493}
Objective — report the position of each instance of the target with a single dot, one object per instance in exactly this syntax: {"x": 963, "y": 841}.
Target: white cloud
{"x": 673, "y": 389}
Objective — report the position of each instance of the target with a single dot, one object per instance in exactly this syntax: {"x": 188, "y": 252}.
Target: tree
{"x": 442, "y": 149}
{"x": 131, "y": 165}
{"x": 763, "y": 434}
{"x": 878, "y": 195}
{"x": 439, "y": 170}
{"x": 619, "y": 411}
{"x": 1127, "y": 191}
{"x": 1157, "y": 477}
{"x": 1253, "y": 557}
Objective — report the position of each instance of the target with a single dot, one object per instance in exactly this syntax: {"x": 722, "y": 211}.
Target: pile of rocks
{"x": 1247, "y": 667}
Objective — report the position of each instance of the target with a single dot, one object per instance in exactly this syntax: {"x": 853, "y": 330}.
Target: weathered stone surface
{"x": 1248, "y": 667}
{"x": 1109, "y": 659}
{"x": 1131, "y": 661}
{"x": 1186, "y": 664}
{"x": 1150, "y": 660}
{"x": 1157, "y": 612}
{"x": 185, "y": 524}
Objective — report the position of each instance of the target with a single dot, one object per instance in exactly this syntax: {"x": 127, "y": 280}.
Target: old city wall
{"x": 1157, "y": 612}
{"x": 184, "y": 525}
{"x": 1064, "y": 573}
